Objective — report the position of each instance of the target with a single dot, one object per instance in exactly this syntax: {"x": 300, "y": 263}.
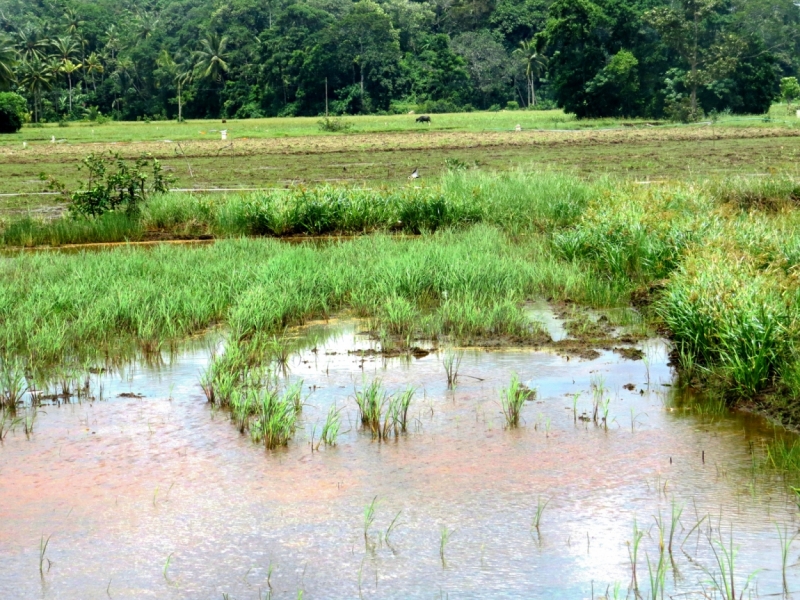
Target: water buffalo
{"x": 423, "y": 119}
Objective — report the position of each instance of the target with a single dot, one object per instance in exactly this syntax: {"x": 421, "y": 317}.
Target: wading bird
{"x": 414, "y": 174}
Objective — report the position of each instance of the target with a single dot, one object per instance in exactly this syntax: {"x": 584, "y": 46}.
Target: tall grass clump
{"x": 731, "y": 319}
{"x": 252, "y": 395}
{"x": 636, "y": 235}
{"x": 512, "y": 399}
{"x": 330, "y": 430}
{"x": 274, "y": 419}
{"x": 748, "y": 193}
{"x": 109, "y": 227}
{"x": 521, "y": 201}
{"x": 397, "y": 417}
{"x": 13, "y": 383}
{"x": 371, "y": 402}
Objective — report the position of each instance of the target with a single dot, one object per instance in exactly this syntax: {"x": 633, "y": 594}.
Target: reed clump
{"x": 253, "y": 396}
{"x": 513, "y": 398}
{"x": 383, "y": 414}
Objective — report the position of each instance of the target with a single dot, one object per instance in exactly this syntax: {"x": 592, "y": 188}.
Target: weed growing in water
{"x": 657, "y": 576}
{"x": 512, "y": 400}
{"x": 677, "y": 511}
{"x": 633, "y": 554}
{"x": 43, "y": 543}
{"x": 8, "y": 422}
{"x": 275, "y": 419}
{"x": 294, "y": 395}
{"x": 444, "y": 538}
{"x": 330, "y": 430}
{"x": 723, "y": 576}
{"x": 575, "y": 397}
{"x": 786, "y": 543}
{"x": 598, "y": 391}
{"x": 392, "y": 526}
{"x": 29, "y": 420}
{"x": 166, "y": 566}
{"x": 397, "y": 414}
{"x": 12, "y": 382}
{"x": 369, "y": 516}
{"x": 371, "y": 402}
{"x": 537, "y": 517}
{"x": 452, "y": 363}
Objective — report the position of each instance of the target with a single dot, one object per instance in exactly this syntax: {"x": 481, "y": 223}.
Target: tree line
{"x": 154, "y": 59}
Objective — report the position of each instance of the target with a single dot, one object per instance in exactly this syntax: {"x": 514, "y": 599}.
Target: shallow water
{"x": 161, "y": 497}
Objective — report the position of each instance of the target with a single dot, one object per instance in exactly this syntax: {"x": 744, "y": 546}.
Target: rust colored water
{"x": 159, "y": 497}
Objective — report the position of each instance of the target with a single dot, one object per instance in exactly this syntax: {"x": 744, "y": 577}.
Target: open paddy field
{"x": 378, "y": 151}
{"x": 561, "y": 364}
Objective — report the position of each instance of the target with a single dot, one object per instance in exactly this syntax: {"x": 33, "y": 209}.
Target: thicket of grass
{"x": 515, "y": 203}
{"x": 719, "y": 258}
{"x": 726, "y": 255}
{"x": 75, "y": 307}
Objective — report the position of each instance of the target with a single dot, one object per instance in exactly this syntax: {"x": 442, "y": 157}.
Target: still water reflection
{"x": 160, "y": 497}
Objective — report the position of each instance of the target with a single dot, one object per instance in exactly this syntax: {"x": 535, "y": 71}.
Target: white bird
{"x": 415, "y": 174}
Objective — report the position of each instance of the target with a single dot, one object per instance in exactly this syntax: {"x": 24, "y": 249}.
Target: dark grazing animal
{"x": 423, "y": 119}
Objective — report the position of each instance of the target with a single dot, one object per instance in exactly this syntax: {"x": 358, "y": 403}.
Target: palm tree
{"x": 8, "y": 60}
{"x": 92, "y": 66}
{"x": 212, "y": 58}
{"x": 534, "y": 63}
{"x": 180, "y": 70}
{"x": 65, "y": 48}
{"x": 31, "y": 43}
{"x": 36, "y": 77}
{"x": 112, "y": 41}
{"x": 146, "y": 24}
{"x": 69, "y": 68}
{"x": 73, "y": 22}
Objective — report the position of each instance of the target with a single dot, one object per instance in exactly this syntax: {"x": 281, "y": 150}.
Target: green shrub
{"x": 13, "y": 111}
{"x": 114, "y": 184}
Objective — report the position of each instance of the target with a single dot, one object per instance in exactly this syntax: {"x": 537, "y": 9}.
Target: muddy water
{"x": 160, "y": 497}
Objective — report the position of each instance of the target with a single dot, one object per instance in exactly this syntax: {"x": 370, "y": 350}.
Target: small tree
{"x": 13, "y": 110}
{"x": 790, "y": 89}
{"x": 113, "y": 184}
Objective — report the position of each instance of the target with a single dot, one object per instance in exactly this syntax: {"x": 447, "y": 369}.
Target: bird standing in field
{"x": 414, "y": 174}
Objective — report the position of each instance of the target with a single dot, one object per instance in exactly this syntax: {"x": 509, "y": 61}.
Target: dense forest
{"x": 154, "y": 59}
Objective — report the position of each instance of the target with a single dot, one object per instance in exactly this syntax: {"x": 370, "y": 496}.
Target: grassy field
{"x": 281, "y": 152}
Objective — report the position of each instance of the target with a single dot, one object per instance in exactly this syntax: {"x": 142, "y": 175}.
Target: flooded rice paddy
{"x": 150, "y": 493}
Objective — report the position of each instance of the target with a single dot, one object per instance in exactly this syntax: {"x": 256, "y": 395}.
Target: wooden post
{"x": 326, "y": 97}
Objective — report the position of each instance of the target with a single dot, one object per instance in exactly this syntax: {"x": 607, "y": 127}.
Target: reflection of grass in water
{"x": 786, "y": 542}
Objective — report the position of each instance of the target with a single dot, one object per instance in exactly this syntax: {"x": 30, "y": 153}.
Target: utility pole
{"x": 326, "y": 97}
